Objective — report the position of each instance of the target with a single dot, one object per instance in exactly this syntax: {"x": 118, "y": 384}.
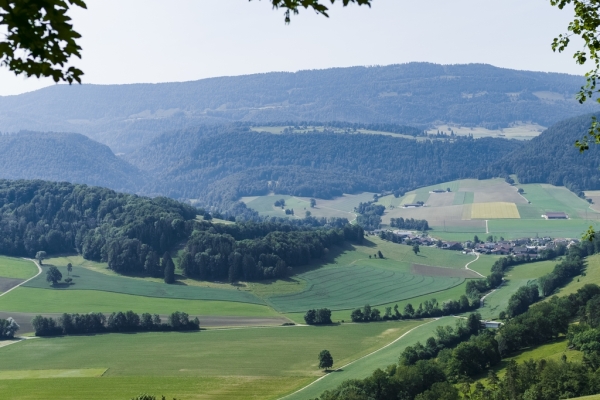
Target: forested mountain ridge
{"x": 223, "y": 167}
{"x": 553, "y": 158}
{"x": 418, "y": 94}
{"x": 67, "y": 157}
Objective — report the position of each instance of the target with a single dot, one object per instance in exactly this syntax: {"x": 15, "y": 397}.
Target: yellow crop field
{"x": 496, "y": 210}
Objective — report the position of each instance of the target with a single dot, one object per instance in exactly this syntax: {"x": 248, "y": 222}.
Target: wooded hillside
{"x": 419, "y": 94}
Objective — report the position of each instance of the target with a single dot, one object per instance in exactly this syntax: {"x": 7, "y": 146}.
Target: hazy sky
{"x": 178, "y": 40}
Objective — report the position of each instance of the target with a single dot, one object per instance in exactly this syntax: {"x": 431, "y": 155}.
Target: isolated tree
{"x": 313, "y": 203}
{"x": 69, "y": 268}
{"x": 307, "y": 214}
{"x": 416, "y": 248}
{"x": 310, "y": 317}
{"x": 40, "y": 256}
{"x": 379, "y": 254}
{"x": 168, "y": 267}
{"x": 53, "y": 275}
{"x": 521, "y": 191}
{"x": 325, "y": 360}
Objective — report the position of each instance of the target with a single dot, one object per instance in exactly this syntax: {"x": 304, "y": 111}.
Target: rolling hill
{"x": 67, "y": 157}
{"x": 419, "y": 94}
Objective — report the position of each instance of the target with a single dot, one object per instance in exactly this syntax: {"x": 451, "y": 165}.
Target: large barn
{"x": 556, "y": 215}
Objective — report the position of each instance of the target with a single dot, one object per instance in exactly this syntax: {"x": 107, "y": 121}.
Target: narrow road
{"x": 471, "y": 262}
{"x": 24, "y": 282}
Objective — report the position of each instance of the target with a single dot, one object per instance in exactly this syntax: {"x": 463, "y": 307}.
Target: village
{"x": 524, "y": 247}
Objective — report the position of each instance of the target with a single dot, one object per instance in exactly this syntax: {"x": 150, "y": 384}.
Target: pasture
{"x": 592, "y": 275}
{"x": 364, "y": 367}
{"x": 517, "y": 131}
{"x": 340, "y": 207}
{"x": 239, "y": 363}
{"x": 16, "y": 268}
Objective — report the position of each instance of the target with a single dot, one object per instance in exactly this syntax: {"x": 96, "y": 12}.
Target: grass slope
{"x": 17, "y": 268}
{"x": 520, "y": 275}
{"x": 592, "y": 275}
{"x": 260, "y": 355}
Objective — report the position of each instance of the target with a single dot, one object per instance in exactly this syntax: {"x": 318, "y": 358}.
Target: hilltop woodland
{"x": 221, "y": 164}
{"x": 131, "y": 233}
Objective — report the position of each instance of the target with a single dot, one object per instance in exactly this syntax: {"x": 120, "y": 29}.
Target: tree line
{"x": 410, "y": 223}
{"x": 70, "y": 324}
{"x": 255, "y": 251}
{"x": 320, "y": 316}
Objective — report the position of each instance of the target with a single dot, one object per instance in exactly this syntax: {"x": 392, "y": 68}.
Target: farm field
{"x": 33, "y": 300}
{"x": 341, "y": 207}
{"x": 519, "y": 275}
{"x": 16, "y": 268}
{"x": 269, "y": 362}
{"x": 352, "y": 279}
{"x": 519, "y": 131}
{"x": 365, "y": 366}
{"x": 493, "y": 207}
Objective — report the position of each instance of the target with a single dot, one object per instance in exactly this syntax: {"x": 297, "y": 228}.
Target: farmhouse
{"x": 556, "y": 215}
{"x": 452, "y": 246}
{"x": 438, "y": 191}
{"x": 412, "y": 205}
{"x": 491, "y": 324}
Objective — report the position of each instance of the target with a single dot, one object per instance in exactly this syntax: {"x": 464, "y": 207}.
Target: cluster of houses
{"x": 516, "y": 247}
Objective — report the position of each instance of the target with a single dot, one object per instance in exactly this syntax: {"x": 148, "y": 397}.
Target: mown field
{"x": 240, "y": 363}
{"x": 356, "y": 277}
{"x": 16, "y": 268}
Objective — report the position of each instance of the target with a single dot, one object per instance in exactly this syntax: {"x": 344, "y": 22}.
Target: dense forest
{"x": 417, "y": 94}
{"x": 251, "y": 251}
{"x": 553, "y": 158}
{"x": 219, "y": 165}
{"x": 132, "y": 233}
{"x": 67, "y": 157}
{"x": 127, "y": 231}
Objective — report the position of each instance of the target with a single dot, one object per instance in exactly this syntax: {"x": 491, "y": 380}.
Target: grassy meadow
{"x": 17, "y": 268}
{"x": 268, "y": 362}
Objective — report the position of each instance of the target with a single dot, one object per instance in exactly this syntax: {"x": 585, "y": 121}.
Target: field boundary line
{"x": 24, "y": 282}
{"x": 358, "y": 359}
{"x": 470, "y": 262}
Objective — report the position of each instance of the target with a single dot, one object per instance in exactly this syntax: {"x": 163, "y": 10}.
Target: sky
{"x": 154, "y": 41}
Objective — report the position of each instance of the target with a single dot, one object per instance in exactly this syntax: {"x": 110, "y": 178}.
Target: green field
{"x": 364, "y": 367}
{"x": 350, "y": 287}
{"x": 351, "y": 279}
{"x": 16, "y": 268}
{"x": 269, "y": 361}
{"x": 32, "y": 300}
{"x": 520, "y": 275}
{"x": 86, "y": 279}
